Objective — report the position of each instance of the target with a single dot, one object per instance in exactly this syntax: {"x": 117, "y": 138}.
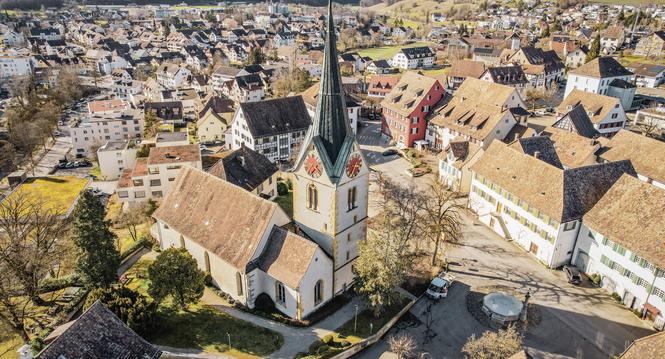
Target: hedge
{"x": 52, "y": 284}
{"x": 141, "y": 242}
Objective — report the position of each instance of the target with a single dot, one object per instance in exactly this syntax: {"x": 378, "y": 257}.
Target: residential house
{"x": 490, "y": 56}
{"x": 455, "y": 162}
{"x": 460, "y": 70}
{"x": 652, "y": 45}
{"x": 612, "y": 39}
{"x": 170, "y": 112}
{"x": 153, "y": 177}
{"x": 114, "y": 157}
{"x": 512, "y": 76}
{"x": 12, "y": 38}
{"x": 248, "y": 169}
{"x": 577, "y": 57}
{"x": 646, "y": 154}
{"x": 478, "y": 112}
{"x": 171, "y": 139}
{"x": 274, "y": 128}
{"x": 15, "y": 65}
{"x": 648, "y": 75}
{"x": 604, "y": 76}
{"x": 413, "y": 58}
{"x": 99, "y": 334}
{"x": 606, "y": 113}
{"x": 247, "y": 88}
{"x": 214, "y": 120}
{"x": 621, "y": 240}
{"x": 542, "y": 68}
{"x": 521, "y": 194}
{"x": 406, "y": 108}
{"x": 379, "y": 86}
{"x": 379, "y": 67}
{"x": 222, "y": 75}
{"x": 173, "y": 76}
{"x": 645, "y": 347}
{"x": 577, "y": 121}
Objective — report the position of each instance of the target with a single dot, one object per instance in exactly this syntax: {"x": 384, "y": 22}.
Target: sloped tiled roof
{"x": 223, "y": 218}
{"x": 287, "y": 256}
{"x": 581, "y": 122}
{"x": 540, "y": 145}
{"x": 646, "y": 154}
{"x": 631, "y": 214}
{"x": 597, "y": 106}
{"x": 601, "y": 67}
{"x": 98, "y": 333}
{"x": 408, "y": 93}
{"x": 564, "y": 195}
{"x": 244, "y": 168}
{"x": 648, "y": 347}
{"x": 276, "y": 116}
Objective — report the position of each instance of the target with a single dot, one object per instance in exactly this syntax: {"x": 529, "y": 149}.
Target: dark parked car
{"x": 572, "y": 274}
{"x": 389, "y": 152}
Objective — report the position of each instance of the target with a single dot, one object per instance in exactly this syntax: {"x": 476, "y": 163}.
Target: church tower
{"x": 331, "y": 176}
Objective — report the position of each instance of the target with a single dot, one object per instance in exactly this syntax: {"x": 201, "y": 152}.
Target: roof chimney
{"x": 517, "y": 137}
{"x": 242, "y": 161}
{"x": 536, "y": 154}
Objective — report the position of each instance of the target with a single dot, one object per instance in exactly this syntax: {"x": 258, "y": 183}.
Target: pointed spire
{"x": 331, "y": 123}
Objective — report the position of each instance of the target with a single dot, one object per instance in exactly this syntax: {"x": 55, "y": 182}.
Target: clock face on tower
{"x": 353, "y": 167}
{"x": 313, "y": 165}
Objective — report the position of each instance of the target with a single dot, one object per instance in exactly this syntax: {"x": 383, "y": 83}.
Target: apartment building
{"x": 152, "y": 176}
{"x": 98, "y": 129}
{"x": 621, "y": 240}
{"x": 14, "y": 65}
{"x": 406, "y": 108}
{"x": 646, "y": 154}
{"x": 173, "y": 76}
{"x": 275, "y": 128}
{"x": 523, "y": 193}
{"x": 114, "y": 157}
{"x": 413, "y": 58}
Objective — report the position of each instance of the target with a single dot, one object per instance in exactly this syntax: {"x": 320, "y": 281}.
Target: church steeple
{"x": 331, "y": 124}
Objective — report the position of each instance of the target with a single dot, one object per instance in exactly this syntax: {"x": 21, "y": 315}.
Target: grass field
{"x": 387, "y": 52}
{"x": 365, "y": 318}
{"x": 286, "y": 203}
{"x": 203, "y": 327}
{"x": 627, "y": 60}
{"x": 437, "y": 72}
{"x": 59, "y": 192}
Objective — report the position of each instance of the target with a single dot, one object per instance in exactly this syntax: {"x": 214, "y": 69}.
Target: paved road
{"x": 60, "y": 148}
{"x": 578, "y": 322}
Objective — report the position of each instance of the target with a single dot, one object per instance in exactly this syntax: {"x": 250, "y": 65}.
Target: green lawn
{"x": 627, "y": 60}
{"x": 387, "y": 52}
{"x": 437, "y": 72}
{"x": 58, "y": 192}
{"x": 9, "y": 343}
{"x": 286, "y": 202}
{"x": 203, "y": 327}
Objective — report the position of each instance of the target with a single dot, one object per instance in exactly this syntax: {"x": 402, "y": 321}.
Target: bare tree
{"x": 15, "y": 306}
{"x": 131, "y": 219}
{"x": 442, "y": 222}
{"x": 494, "y": 345}
{"x": 403, "y": 345}
{"x": 650, "y": 127}
{"x": 30, "y": 231}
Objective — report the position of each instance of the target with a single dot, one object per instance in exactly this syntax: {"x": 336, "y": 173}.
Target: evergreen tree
{"x": 594, "y": 51}
{"x": 98, "y": 259}
{"x": 175, "y": 273}
{"x": 255, "y": 57}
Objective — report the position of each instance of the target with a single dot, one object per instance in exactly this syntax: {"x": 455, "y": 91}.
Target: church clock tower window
{"x": 312, "y": 197}
{"x": 352, "y": 198}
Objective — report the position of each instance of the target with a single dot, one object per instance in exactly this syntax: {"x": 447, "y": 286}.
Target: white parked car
{"x": 438, "y": 288}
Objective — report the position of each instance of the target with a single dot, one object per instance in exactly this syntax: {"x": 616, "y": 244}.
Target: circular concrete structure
{"x": 501, "y": 307}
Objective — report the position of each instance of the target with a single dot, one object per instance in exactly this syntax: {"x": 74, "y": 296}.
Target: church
{"x": 250, "y": 246}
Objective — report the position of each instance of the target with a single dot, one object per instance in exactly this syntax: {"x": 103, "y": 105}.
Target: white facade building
{"x": 14, "y": 65}
{"x": 620, "y": 241}
{"x": 114, "y": 157}
{"x": 413, "y": 58}
{"x": 99, "y": 129}
{"x": 603, "y": 76}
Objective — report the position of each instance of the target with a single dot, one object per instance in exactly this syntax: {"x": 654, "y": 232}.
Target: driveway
{"x": 571, "y": 321}
{"x": 50, "y": 160}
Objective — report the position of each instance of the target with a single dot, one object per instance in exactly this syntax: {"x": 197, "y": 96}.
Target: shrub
{"x": 322, "y": 349}
{"x": 264, "y": 303}
{"x": 345, "y": 343}
{"x": 595, "y": 279}
{"x": 327, "y": 339}
{"x": 51, "y": 284}
{"x": 133, "y": 308}
{"x": 616, "y": 296}
{"x": 141, "y": 242}
{"x": 289, "y": 184}
{"x": 282, "y": 189}
{"x": 315, "y": 346}
{"x": 637, "y": 312}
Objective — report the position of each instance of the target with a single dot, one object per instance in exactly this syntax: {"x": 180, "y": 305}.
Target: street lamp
{"x": 229, "y": 336}
{"x": 371, "y": 328}
{"x": 355, "y": 319}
